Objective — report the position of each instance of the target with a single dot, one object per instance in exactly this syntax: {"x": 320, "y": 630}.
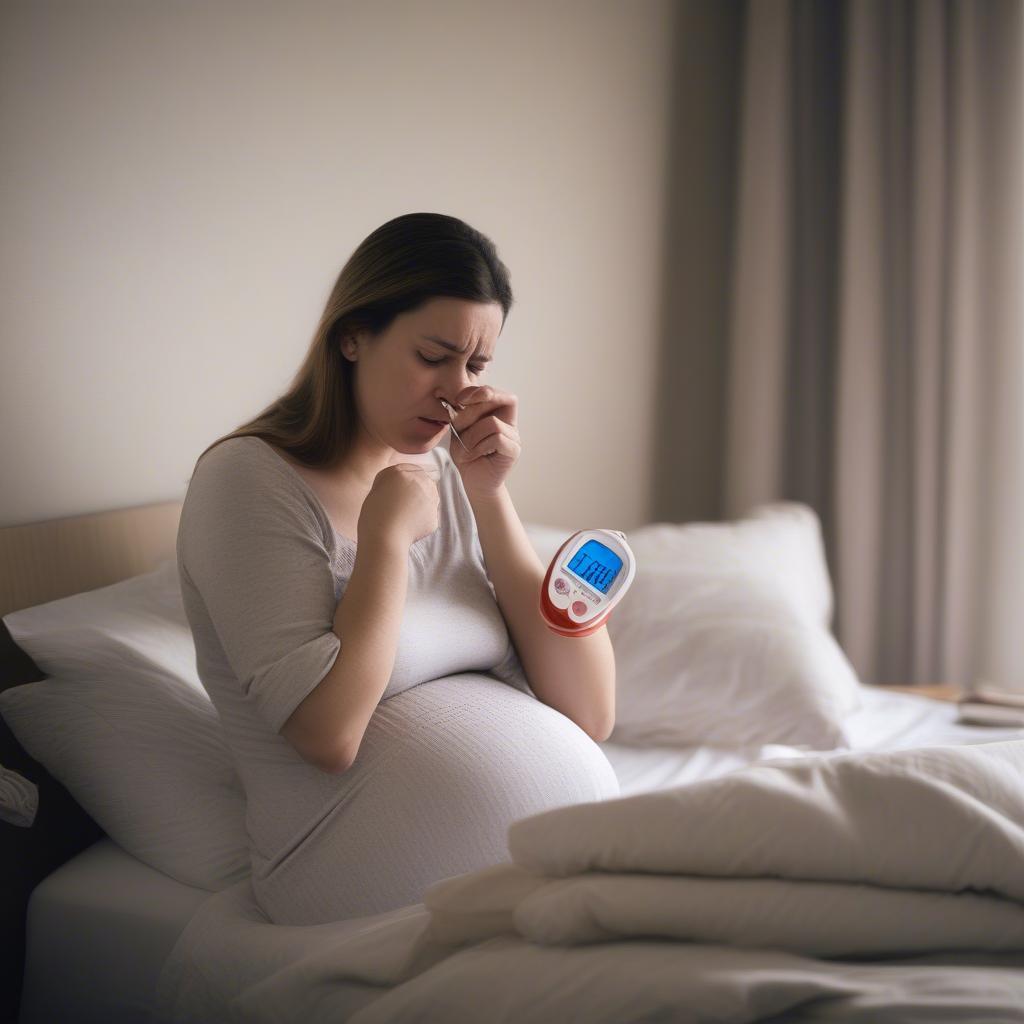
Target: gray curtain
{"x": 875, "y": 360}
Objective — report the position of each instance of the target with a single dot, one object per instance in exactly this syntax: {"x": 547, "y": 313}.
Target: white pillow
{"x": 125, "y": 725}
{"x": 723, "y": 638}
{"x": 143, "y": 618}
{"x": 781, "y": 542}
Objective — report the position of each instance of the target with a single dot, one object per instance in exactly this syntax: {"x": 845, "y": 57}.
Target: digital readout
{"x": 596, "y": 564}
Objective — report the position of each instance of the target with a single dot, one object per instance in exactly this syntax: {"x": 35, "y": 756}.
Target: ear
{"x": 350, "y": 348}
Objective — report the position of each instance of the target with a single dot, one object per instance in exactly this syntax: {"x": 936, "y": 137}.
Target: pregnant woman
{"x": 364, "y": 602}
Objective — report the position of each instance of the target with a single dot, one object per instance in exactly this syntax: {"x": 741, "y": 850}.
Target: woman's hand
{"x": 402, "y": 504}
{"x": 486, "y": 421}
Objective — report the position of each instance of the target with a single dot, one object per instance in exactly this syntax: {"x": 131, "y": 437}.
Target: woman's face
{"x": 401, "y": 376}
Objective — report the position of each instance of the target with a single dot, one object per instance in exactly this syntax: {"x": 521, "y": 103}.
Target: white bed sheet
{"x": 885, "y": 721}
{"x": 100, "y": 928}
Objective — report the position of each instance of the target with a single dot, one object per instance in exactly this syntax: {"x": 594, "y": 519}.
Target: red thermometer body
{"x": 586, "y": 579}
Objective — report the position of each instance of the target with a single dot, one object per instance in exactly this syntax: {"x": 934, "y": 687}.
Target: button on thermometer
{"x": 586, "y": 579}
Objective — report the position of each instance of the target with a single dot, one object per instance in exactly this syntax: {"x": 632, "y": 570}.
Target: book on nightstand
{"x": 989, "y": 705}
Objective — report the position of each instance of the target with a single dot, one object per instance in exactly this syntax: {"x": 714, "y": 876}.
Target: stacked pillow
{"x": 723, "y": 640}
{"x": 122, "y": 721}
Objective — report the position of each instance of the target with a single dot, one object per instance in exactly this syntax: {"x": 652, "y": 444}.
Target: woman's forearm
{"x": 327, "y": 727}
{"x": 574, "y": 675}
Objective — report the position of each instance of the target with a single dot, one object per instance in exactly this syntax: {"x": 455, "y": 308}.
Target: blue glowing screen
{"x": 597, "y": 565}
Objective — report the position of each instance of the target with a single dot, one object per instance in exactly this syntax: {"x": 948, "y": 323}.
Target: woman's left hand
{"x": 486, "y": 421}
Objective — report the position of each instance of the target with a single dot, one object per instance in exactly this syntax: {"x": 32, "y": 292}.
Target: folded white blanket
{"x": 905, "y": 851}
{"x": 19, "y": 798}
{"x": 946, "y": 818}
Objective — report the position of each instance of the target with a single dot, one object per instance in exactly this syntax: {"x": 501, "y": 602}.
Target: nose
{"x": 455, "y": 385}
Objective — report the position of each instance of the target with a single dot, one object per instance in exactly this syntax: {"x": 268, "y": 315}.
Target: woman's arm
{"x": 328, "y": 726}
{"x": 574, "y": 675}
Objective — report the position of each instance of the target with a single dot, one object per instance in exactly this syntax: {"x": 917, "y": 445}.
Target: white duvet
{"x": 720, "y": 900}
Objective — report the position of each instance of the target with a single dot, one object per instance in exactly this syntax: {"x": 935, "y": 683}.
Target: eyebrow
{"x": 453, "y": 347}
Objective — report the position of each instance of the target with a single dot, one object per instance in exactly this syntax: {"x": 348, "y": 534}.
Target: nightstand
{"x": 937, "y": 691}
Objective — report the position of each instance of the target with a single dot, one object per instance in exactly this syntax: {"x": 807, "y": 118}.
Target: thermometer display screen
{"x": 596, "y": 565}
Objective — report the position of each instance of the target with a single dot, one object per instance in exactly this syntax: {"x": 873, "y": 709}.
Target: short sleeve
{"x": 253, "y": 548}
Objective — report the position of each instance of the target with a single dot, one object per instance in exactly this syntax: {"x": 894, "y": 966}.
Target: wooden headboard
{"x": 41, "y": 562}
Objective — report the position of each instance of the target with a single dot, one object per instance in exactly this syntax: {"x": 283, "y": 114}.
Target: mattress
{"x": 100, "y": 928}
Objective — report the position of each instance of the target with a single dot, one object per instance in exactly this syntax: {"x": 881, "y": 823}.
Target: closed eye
{"x": 436, "y": 362}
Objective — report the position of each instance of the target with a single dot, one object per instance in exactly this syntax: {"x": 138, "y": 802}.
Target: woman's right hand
{"x": 402, "y": 505}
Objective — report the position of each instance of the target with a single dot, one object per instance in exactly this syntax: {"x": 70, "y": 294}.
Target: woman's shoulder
{"x": 241, "y": 472}
{"x": 245, "y": 456}
{"x": 246, "y": 448}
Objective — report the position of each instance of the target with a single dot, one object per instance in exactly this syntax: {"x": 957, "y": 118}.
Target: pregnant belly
{"x": 443, "y": 769}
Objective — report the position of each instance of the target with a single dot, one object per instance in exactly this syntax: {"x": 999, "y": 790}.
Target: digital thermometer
{"x": 586, "y": 579}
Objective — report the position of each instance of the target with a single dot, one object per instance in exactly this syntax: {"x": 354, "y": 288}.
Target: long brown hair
{"x": 396, "y": 269}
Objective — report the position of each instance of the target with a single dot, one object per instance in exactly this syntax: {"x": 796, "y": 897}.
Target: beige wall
{"x": 182, "y": 182}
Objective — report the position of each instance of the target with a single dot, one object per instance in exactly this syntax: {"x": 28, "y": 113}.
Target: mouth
{"x": 435, "y": 423}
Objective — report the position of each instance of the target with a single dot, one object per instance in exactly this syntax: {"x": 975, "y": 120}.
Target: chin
{"x": 415, "y": 447}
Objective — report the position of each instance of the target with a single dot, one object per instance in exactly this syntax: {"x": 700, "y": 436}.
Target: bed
{"x": 103, "y": 935}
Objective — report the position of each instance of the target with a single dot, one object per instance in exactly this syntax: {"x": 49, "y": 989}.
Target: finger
{"x": 475, "y": 393}
{"x": 484, "y": 427}
{"x": 487, "y": 447}
{"x": 500, "y": 444}
{"x": 484, "y": 394}
{"x": 484, "y": 401}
